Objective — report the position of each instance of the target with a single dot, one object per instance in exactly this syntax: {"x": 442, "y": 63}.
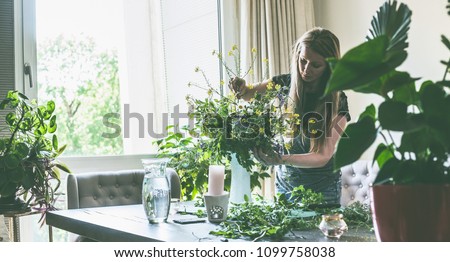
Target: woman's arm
{"x": 310, "y": 160}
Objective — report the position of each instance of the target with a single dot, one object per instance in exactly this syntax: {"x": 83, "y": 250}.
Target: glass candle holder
{"x": 333, "y": 225}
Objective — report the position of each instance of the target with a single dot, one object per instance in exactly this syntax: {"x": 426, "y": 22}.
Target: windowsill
{"x": 80, "y": 164}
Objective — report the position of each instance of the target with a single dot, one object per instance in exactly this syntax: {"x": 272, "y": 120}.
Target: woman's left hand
{"x": 267, "y": 158}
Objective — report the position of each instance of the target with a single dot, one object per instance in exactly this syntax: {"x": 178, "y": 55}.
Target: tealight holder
{"x": 333, "y": 226}
{"x": 217, "y": 207}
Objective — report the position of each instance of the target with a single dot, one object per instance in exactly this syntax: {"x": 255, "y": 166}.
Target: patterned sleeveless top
{"x": 322, "y": 179}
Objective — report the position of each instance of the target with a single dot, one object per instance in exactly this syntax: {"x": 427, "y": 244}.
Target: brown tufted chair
{"x": 99, "y": 189}
{"x": 357, "y": 179}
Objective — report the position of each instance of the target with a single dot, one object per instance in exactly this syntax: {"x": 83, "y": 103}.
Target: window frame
{"x": 26, "y": 51}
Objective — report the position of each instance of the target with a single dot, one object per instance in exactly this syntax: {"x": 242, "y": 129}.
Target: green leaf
{"x": 432, "y": 98}
{"x": 360, "y": 136}
{"x": 386, "y": 173}
{"x": 28, "y": 180}
{"x": 15, "y": 175}
{"x": 52, "y": 125}
{"x": 369, "y": 112}
{"x": 383, "y": 154}
{"x": 63, "y": 167}
{"x": 61, "y": 149}
{"x": 446, "y": 42}
{"x": 22, "y": 149}
{"x": 51, "y": 107}
{"x": 392, "y": 115}
{"x": 417, "y": 141}
{"x": 55, "y": 142}
{"x": 392, "y": 23}
{"x": 11, "y": 118}
{"x": 398, "y": 80}
{"x": 8, "y": 189}
{"x": 11, "y": 161}
{"x": 364, "y": 64}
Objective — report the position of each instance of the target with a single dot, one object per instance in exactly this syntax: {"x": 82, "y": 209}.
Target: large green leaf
{"x": 393, "y": 116}
{"x": 361, "y": 135}
{"x": 387, "y": 172}
{"x": 393, "y": 23}
{"x": 432, "y": 97}
{"x": 364, "y": 64}
{"x": 383, "y": 52}
{"x": 417, "y": 141}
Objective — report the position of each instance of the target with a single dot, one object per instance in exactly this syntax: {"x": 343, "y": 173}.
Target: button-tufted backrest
{"x": 357, "y": 179}
{"x": 97, "y": 189}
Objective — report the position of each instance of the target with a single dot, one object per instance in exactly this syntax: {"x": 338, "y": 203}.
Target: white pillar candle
{"x": 216, "y": 180}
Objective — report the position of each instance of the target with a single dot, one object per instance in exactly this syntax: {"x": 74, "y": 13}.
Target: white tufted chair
{"x": 357, "y": 179}
{"x": 98, "y": 189}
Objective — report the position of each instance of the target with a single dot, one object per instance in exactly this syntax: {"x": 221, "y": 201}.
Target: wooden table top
{"x": 129, "y": 223}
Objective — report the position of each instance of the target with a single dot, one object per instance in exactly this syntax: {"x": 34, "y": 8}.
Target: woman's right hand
{"x": 238, "y": 86}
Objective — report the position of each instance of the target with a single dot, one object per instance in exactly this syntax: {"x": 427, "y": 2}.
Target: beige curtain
{"x": 272, "y": 27}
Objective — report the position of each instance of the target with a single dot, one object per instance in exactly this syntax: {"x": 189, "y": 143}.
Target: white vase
{"x": 240, "y": 182}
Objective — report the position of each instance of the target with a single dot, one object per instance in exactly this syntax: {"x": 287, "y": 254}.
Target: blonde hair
{"x": 326, "y": 44}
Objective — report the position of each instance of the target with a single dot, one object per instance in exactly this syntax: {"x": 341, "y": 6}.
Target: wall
{"x": 350, "y": 21}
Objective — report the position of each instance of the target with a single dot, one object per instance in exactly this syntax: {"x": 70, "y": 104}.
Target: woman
{"x": 309, "y": 162}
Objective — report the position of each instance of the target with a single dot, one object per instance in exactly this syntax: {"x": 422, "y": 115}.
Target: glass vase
{"x": 156, "y": 190}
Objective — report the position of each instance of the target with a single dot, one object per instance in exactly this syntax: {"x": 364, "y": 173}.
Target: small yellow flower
{"x": 250, "y": 86}
{"x": 311, "y": 121}
{"x": 250, "y": 71}
{"x": 288, "y": 146}
{"x": 219, "y": 55}
{"x": 222, "y": 82}
{"x": 258, "y": 112}
{"x": 230, "y": 53}
{"x": 210, "y": 92}
{"x": 231, "y": 95}
{"x": 261, "y": 130}
{"x": 253, "y": 50}
{"x": 265, "y": 60}
{"x": 234, "y": 47}
{"x": 270, "y": 85}
{"x": 277, "y": 87}
{"x": 314, "y": 131}
{"x": 296, "y": 115}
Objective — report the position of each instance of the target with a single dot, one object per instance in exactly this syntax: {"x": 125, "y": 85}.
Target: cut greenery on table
{"x": 273, "y": 220}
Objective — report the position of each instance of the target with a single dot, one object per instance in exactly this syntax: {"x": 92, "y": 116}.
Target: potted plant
{"x": 411, "y": 194}
{"x": 28, "y": 166}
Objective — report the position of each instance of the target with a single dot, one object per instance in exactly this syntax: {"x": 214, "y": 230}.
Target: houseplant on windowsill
{"x": 411, "y": 193}
{"x": 28, "y": 166}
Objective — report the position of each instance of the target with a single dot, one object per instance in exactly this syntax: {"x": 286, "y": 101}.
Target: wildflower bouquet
{"x": 226, "y": 125}
{"x": 231, "y": 125}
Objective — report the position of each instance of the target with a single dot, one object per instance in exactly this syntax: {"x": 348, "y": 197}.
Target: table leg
{"x": 50, "y": 234}
{"x": 16, "y": 229}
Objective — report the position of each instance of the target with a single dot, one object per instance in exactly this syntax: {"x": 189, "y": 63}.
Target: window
{"x": 130, "y": 61}
{"x": 115, "y": 68}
